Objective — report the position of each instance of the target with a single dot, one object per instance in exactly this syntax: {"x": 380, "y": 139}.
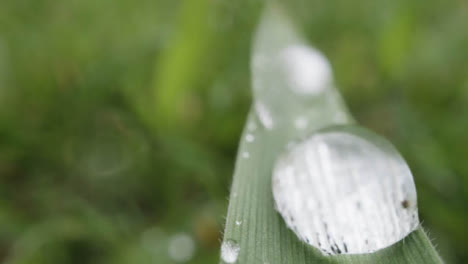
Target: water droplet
{"x": 291, "y": 78}
{"x": 308, "y": 71}
{"x": 249, "y": 138}
{"x": 229, "y": 251}
{"x": 318, "y": 184}
{"x": 264, "y": 115}
{"x": 238, "y": 222}
{"x": 181, "y": 247}
{"x": 245, "y": 155}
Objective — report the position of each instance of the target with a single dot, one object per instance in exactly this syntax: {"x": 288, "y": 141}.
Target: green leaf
{"x": 255, "y": 232}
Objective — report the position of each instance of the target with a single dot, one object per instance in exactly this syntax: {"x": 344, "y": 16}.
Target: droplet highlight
{"x": 345, "y": 191}
{"x": 264, "y": 115}
{"x": 249, "y": 138}
{"x": 307, "y": 70}
{"x": 229, "y": 251}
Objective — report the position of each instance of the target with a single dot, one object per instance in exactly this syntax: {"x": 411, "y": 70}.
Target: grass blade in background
{"x": 255, "y": 232}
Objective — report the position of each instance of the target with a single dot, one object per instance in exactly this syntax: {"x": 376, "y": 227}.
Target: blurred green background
{"x": 119, "y": 120}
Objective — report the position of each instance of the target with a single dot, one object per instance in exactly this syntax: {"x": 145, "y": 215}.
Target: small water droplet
{"x": 345, "y": 174}
{"x": 308, "y": 71}
{"x": 229, "y": 251}
{"x": 245, "y": 155}
{"x": 249, "y": 138}
{"x": 238, "y": 222}
{"x": 264, "y": 115}
{"x": 181, "y": 247}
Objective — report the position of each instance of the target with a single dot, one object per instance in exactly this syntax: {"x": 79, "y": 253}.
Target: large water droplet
{"x": 345, "y": 191}
{"x": 229, "y": 251}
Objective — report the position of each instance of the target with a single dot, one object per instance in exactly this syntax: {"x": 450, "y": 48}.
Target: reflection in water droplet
{"x": 264, "y": 115}
{"x": 181, "y": 247}
{"x": 308, "y": 71}
{"x": 238, "y": 222}
{"x": 342, "y": 193}
{"x": 249, "y": 138}
{"x": 245, "y": 155}
{"x": 229, "y": 251}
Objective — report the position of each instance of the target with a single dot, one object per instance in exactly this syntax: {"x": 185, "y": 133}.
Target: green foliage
{"x": 87, "y": 173}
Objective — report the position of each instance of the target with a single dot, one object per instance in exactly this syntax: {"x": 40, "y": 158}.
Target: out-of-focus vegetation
{"x": 119, "y": 120}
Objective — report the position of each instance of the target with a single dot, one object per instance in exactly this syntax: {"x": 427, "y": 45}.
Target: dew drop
{"x": 341, "y": 191}
{"x": 245, "y": 155}
{"x": 290, "y": 78}
{"x": 238, "y": 222}
{"x": 308, "y": 71}
{"x": 264, "y": 115}
{"x": 229, "y": 251}
{"x": 249, "y": 138}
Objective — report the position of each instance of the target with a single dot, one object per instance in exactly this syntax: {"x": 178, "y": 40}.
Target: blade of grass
{"x": 252, "y": 222}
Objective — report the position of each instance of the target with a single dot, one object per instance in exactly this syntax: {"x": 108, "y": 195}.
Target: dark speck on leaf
{"x": 405, "y": 204}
